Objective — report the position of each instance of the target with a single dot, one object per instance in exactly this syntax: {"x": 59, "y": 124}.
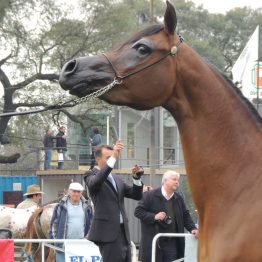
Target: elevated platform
{"x": 122, "y": 171}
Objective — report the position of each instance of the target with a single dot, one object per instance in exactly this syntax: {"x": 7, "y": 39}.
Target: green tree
{"x": 37, "y": 37}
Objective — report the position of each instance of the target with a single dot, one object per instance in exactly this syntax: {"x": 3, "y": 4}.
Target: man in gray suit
{"x": 109, "y": 229}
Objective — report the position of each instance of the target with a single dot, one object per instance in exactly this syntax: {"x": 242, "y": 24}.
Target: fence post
{"x": 43, "y": 251}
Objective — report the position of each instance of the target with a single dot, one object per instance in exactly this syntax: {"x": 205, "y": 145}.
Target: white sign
{"x": 244, "y": 70}
{"x": 17, "y": 186}
{"x": 82, "y": 251}
{"x": 60, "y": 157}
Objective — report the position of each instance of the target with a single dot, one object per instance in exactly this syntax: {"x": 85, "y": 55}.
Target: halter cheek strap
{"x": 172, "y": 52}
{"x": 116, "y": 75}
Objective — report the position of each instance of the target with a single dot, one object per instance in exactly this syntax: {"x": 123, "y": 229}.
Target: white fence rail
{"x": 190, "y": 246}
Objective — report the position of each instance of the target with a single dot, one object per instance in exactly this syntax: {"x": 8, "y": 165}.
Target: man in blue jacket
{"x": 71, "y": 218}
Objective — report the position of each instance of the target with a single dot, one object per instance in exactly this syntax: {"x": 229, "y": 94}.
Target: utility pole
{"x": 151, "y": 11}
{"x": 258, "y": 70}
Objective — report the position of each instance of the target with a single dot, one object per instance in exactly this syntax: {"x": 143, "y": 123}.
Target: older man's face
{"x": 74, "y": 195}
{"x": 172, "y": 183}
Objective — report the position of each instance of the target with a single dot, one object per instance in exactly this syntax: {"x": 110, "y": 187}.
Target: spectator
{"x": 33, "y": 197}
{"x": 61, "y": 145}
{"x": 109, "y": 229}
{"x": 71, "y": 218}
{"x": 48, "y": 142}
{"x": 162, "y": 210}
{"x": 94, "y": 141}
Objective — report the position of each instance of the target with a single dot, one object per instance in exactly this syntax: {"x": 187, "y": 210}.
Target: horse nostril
{"x": 70, "y": 67}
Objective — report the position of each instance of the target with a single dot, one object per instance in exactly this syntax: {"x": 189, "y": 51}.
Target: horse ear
{"x": 170, "y": 18}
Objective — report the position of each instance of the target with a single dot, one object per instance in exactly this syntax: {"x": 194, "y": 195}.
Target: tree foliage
{"x": 37, "y": 37}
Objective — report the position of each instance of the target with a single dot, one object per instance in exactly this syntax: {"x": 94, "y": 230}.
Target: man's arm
{"x": 96, "y": 140}
{"x": 53, "y": 223}
{"x": 94, "y": 179}
{"x": 134, "y": 192}
{"x": 188, "y": 221}
{"x": 142, "y": 210}
{"x": 44, "y": 141}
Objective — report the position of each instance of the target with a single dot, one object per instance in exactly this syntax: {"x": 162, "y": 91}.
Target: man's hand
{"x": 147, "y": 188}
{"x": 117, "y": 149}
{"x": 195, "y": 232}
{"x": 137, "y": 172}
{"x": 160, "y": 216}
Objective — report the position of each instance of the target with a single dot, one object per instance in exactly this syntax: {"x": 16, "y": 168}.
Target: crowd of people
{"x": 59, "y": 143}
{"x": 105, "y": 222}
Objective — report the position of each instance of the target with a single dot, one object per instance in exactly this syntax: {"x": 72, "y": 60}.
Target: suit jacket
{"x": 108, "y": 203}
{"x": 152, "y": 203}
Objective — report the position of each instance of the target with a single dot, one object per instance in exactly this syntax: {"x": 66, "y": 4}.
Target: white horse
{"x": 15, "y": 219}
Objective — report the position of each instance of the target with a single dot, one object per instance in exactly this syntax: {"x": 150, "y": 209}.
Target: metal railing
{"x": 157, "y": 236}
{"x": 80, "y": 155}
{"x": 47, "y": 243}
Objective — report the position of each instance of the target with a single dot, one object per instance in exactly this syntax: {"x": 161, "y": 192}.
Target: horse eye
{"x": 143, "y": 49}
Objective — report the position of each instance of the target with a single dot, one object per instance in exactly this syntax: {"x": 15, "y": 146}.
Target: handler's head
{"x": 170, "y": 180}
{"x": 75, "y": 191}
{"x": 102, "y": 153}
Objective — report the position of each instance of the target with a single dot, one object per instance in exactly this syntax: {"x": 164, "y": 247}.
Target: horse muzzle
{"x": 85, "y": 75}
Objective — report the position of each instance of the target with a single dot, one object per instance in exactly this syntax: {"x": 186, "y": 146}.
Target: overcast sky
{"x": 222, "y": 6}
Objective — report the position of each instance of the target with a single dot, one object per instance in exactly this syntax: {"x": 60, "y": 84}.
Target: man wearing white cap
{"x": 71, "y": 218}
{"x": 33, "y": 197}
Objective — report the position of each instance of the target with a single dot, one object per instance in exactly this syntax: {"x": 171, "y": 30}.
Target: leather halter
{"x": 172, "y": 52}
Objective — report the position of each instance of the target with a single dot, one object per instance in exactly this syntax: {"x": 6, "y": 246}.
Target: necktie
{"x": 112, "y": 181}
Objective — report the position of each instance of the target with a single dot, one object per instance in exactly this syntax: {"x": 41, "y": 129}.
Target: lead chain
{"x": 95, "y": 94}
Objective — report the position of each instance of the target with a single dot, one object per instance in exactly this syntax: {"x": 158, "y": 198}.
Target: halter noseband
{"x": 172, "y": 52}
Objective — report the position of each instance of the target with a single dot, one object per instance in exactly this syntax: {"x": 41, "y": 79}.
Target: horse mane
{"x": 150, "y": 30}
{"x": 238, "y": 91}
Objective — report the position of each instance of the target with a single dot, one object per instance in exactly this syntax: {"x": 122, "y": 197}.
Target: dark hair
{"x": 32, "y": 195}
{"x": 95, "y": 130}
{"x": 99, "y": 148}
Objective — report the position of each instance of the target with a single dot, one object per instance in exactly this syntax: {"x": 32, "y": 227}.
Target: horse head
{"x": 137, "y": 86}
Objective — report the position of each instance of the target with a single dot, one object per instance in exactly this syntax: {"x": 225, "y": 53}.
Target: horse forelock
{"x": 150, "y": 30}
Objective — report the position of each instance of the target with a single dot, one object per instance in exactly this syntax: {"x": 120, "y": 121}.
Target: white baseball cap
{"x": 76, "y": 186}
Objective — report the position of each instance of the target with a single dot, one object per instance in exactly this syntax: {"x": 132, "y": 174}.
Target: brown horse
{"x": 220, "y": 131}
{"x": 38, "y": 228}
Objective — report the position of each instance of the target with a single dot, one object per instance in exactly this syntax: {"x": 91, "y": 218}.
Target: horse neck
{"x": 219, "y": 134}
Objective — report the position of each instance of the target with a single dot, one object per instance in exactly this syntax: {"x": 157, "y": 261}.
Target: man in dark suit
{"x": 109, "y": 229}
{"x": 162, "y": 210}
